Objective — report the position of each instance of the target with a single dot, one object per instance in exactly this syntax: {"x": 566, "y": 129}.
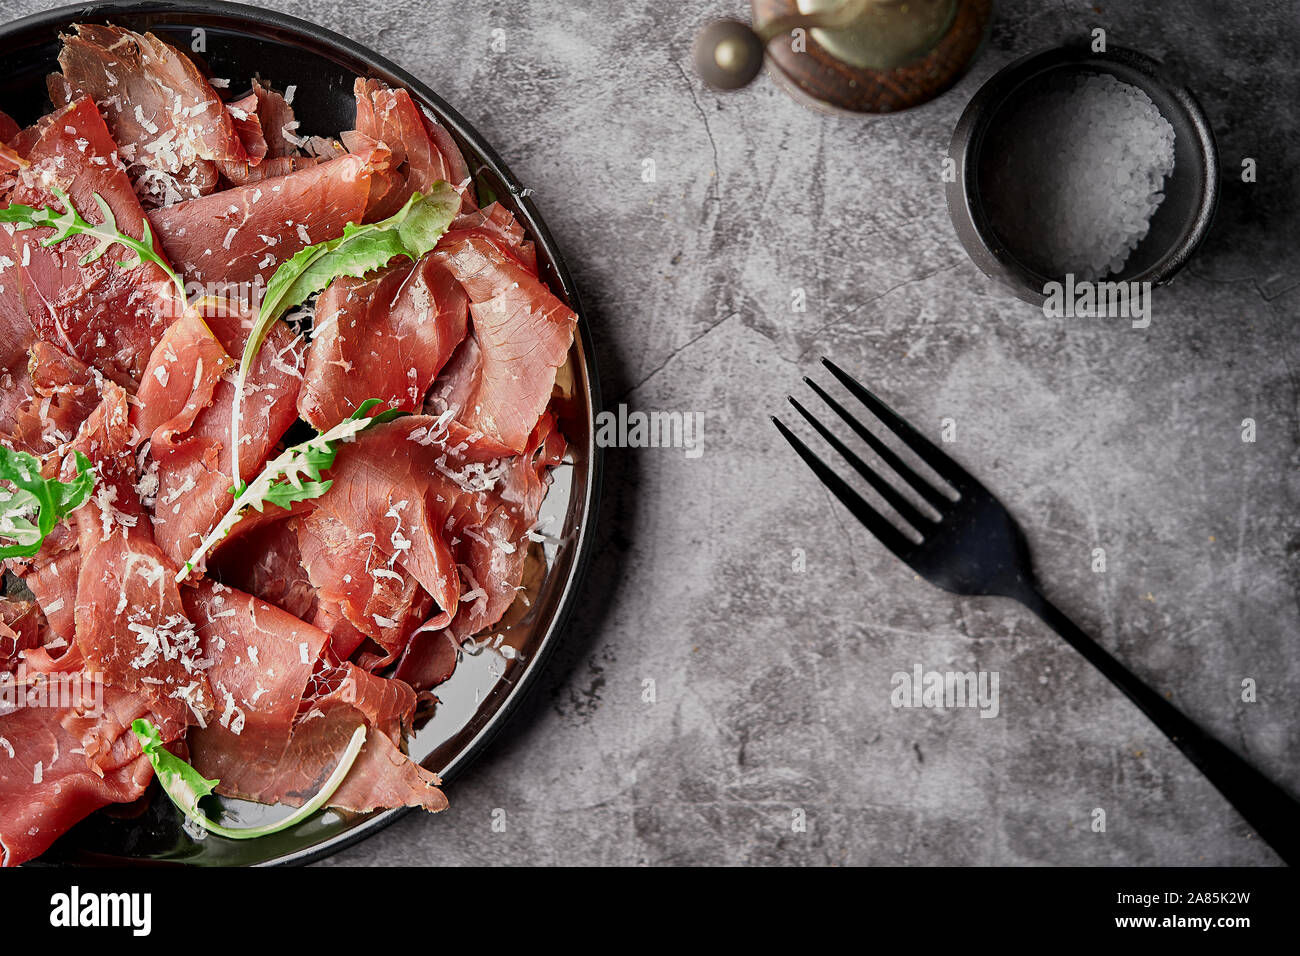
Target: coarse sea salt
{"x": 1075, "y": 174}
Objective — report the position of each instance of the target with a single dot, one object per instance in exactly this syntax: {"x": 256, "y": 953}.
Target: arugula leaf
{"x": 31, "y": 510}
{"x": 412, "y": 231}
{"x": 69, "y": 223}
{"x": 293, "y": 475}
{"x": 186, "y": 786}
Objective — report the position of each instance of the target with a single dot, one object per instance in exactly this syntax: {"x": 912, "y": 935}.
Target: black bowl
{"x": 242, "y": 42}
{"x": 1191, "y": 190}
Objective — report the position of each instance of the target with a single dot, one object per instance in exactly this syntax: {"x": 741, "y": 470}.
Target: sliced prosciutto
{"x": 21, "y": 624}
{"x": 8, "y": 128}
{"x": 522, "y": 332}
{"x": 383, "y": 775}
{"x": 497, "y": 223}
{"x": 169, "y": 123}
{"x": 242, "y": 234}
{"x": 10, "y": 159}
{"x": 489, "y": 531}
{"x": 17, "y": 332}
{"x": 105, "y": 315}
{"x": 386, "y": 336}
{"x": 268, "y": 566}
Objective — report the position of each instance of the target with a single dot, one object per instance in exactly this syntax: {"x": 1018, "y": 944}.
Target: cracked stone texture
{"x": 773, "y": 685}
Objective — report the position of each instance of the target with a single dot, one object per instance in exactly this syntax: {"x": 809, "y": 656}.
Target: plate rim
{"x": 67, "y": 14}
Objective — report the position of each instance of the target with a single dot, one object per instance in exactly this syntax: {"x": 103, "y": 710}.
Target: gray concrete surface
{"x": 773, "y": 684}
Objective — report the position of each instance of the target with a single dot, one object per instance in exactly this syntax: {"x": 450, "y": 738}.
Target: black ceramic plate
{"x": 242, "y": 42}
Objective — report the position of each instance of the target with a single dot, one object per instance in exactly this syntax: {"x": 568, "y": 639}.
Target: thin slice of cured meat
{"x": 243, "y": 234}
{"x": 380, "y": 525}
{"x": 17, "y": 333}
{"x": 194, "y": 478}
{"x": 248, "y": 126}
{"x": 423, "y": 151}
{"x": 489, "y": 532}
{"x": 279, "y": 127}
{"x": 8, "y": 128}
{"x": 46, "y": 787}
{"x": 275, "y": 744}
{"x": 66, "y": 755}
{"x": 62, "y": 393}
{"x": 108, "y": 316}
{"x": 52, "y": 576}
{"x": 385, "y": 336}
{"x": 268, "y": 566}
{"x": 11, "y": 160}
{"x": 130, "y": 625}
{"x": 263, "y": 658}
{"x": 362, "y": 591}
{"x": 184, "y": 369}
{"x": 168, "y": 121}
{"x": 523, "y": 333}
{"x": 382, "y": 776}
{"x": 497, "y": 223}
{"x": 421, "y": 497}
{"x": 21, "y": 625}
{"x": 267, "y": 126}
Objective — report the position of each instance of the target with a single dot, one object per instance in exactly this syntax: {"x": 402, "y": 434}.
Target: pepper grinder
{"x": 854, "y": 56}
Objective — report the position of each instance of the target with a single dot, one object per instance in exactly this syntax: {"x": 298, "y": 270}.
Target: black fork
{"x": 975, "y": 547}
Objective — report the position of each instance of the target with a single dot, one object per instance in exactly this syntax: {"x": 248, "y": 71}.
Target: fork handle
{"x": 1273, "y": 813}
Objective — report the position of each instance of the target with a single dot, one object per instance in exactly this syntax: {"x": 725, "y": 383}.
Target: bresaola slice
{"x": 489, "y": 532}
{"x": 498, "y": 224}
{"x": 21, "y": 625}
{"x": 262, "y": 659}
{"x": 248, "y": 127}
{"x": 47, "y": 784}
{"x": 383, "y": 776}
{"x": 105, "y": 315}
{"x": 385, "y": 336}
{"x": 523, "y": 334}
{"x": 130, "y": 624}
{"x": 193, "y": 475}
{"x": 10, "y": 159}
{"x": 184, "y": 369}
{"x": 8, "y": 128}
{"x": 421, "y": 497}
{"x": 62, "y": 393}
{"x": 423, "y": 152}
{"x": 275, "y": 744}
{"x": 169, "y": 123}
{"x": 267, "y": 127}
{"x": 243, "y": 234}
{"x": 274, "y": 572}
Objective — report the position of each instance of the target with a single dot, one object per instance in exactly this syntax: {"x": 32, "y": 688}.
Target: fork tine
{"x": 889, "y": 536}
{"x": 887, "y": 491}
{"x": 946, "y": 468}
{"x": 937, "y": 498}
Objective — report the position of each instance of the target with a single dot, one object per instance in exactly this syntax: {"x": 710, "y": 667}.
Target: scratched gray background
{"x": 773, "y": 685}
